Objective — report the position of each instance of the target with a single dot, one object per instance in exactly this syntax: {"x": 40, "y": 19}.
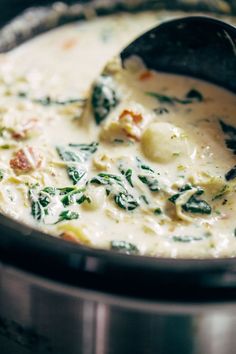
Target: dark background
{"x": 11, "y": 8}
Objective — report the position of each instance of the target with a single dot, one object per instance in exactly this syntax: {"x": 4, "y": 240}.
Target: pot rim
{"x": 106, "y": 270}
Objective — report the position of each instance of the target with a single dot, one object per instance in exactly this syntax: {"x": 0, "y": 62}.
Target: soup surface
{"x": 136, "y": 161}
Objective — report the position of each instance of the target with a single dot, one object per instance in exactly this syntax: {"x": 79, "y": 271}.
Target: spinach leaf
{"x": 231, "y": 174}
{"x": 74, "y": 196}
{"x": 151, "y": 182}
{"x": 67, "y": 215}
{"x": 230, "y": 142}
{"x": 187, "y": 239}
{"x": 193, "y": 205}
{"x": 105, "y": 178}
{"x": 143, "y": 166}
{"x": 191, "y": 97}
{"x": 127, "y": 173}
{"x": 162, "y": 98}
{"x": 194, "y": 95}
{"x": 68, "y": 155}
{"x": 78, "y": 153}
{"x": 75, "y": 174}
{"x": 104, "y": 98}
{"x": 126, "y": 201}
{"x": 197, "y": 206}
{"x": 50, "y": 190}
{"x": 230, "y": 132}
{"x": 124, "y": 247}
{"x": 37, "y": 210}
{"x": 90, "y": 148}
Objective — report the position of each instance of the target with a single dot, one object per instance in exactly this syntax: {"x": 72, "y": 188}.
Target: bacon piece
{"x": 69, "y": 43}
{"x": 26, "y": 129}
{"x": 130, "y": 115}
{"x": 25, "y": 160}
{"x": 146, "y": 75}
{"x": 129, "y": 122}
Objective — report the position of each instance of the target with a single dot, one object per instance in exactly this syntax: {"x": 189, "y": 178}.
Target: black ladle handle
{"x": 197, "y": 46}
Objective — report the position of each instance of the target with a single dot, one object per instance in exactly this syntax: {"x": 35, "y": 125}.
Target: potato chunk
{"x": 162, "y": 142}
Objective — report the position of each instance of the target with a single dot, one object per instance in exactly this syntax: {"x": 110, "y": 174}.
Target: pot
{"x": 57, "y": 297}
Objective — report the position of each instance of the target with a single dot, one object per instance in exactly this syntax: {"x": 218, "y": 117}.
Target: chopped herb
{"x": 194, "y": 95}
{"x": 161, "y": 110}
{"x": 221, "y": 193}
{"x": 127, "y": 174}
{"x": 144, "y": 198}
{"x": 1, "y": 174}
{"x": 157, "y": 211}
{"x": 161, "y": 98}
{"x": 143, "y": 166}
{"x": 75, "y": 174}
{"x": 22, "y": 94}
{"x": 231, "y": 174}
{"x": 126, "y": 201}
{"x": 191, "y": 97}
{"x": 124, "y": 247}
{"x": 104, "y": 98}
{"x": 217, "y": 212}
{"x": 151, "y": 182}
{"x": 118, "y": 141}
{"x": 186, "y": 239}
{"x": 67, "y": 215}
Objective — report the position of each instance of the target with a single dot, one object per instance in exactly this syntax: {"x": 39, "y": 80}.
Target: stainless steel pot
{"x": 56, "y": 297}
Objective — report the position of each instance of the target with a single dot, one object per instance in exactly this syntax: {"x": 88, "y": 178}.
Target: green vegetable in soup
{"x": 193, "y": 205}
{"x": 67, "y": 215}
{"x": 124, "y": 247}
{"x": 187, "y": 239}
{"x": 151, "y": 182}
{"x": 191, "y": 97}
{"x": 126, "y": 201}
{"x": 104, "y": 98}
{"x": 68, "y": 155}
{"x": 75, "y": 174}
{"x": 231, "y": 174}
{"x": 197, "y": 206}
{"x": 230, "y": 133}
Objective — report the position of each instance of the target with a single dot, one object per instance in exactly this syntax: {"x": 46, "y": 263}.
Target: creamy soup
{"x": 130, "y": 160}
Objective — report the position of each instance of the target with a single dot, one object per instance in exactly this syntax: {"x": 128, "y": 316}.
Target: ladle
{"x": 199, "y": 46}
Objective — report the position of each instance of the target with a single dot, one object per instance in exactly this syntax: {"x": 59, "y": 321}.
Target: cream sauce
{"x": 152, "y": 142}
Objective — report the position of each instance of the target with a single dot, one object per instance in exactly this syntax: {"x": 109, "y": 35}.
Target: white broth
{"x": 145, "y": 166}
